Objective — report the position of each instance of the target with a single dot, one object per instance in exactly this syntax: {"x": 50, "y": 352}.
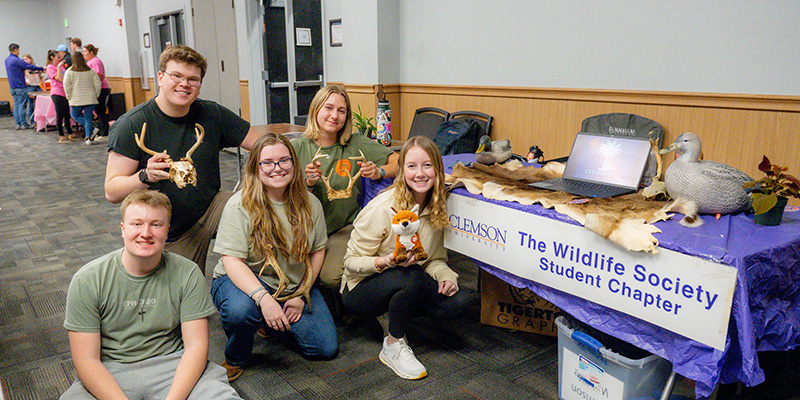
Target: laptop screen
{"x": 614, "y": 160}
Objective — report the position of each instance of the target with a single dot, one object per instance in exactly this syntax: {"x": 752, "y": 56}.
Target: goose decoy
{"x": 714, "y": 187}
{"x": 490, "y": 152}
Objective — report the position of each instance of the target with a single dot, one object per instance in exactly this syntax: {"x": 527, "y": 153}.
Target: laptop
{"x": 601, "y": 166}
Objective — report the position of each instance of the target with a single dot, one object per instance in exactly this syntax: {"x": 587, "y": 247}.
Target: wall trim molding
{"x": 690, "y": 99}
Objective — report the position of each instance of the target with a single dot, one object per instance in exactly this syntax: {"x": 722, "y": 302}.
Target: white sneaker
{"x": 400, "y": 358}
{"x": 88, "y": 141}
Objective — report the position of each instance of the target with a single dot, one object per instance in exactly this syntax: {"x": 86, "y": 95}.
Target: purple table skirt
{"x": 766, "y": 305}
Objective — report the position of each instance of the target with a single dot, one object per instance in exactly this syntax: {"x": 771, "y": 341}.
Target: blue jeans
{"x": 313, "y": 336}
{"x": 20, "y": 96}
{"x": 31, "y": 104}
{"x": 83, "y": 116}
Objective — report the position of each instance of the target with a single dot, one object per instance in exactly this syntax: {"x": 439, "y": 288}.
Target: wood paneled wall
{"x": 734, "y": 129}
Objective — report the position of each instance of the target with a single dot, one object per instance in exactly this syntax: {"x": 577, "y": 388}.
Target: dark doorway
{"x": 293, "y": 43}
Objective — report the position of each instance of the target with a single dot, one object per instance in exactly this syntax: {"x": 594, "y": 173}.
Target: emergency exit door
{"x": 293, "y": 64}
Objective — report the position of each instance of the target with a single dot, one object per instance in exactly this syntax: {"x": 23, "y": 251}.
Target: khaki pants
{"x": 194, "y": 243}
{"x": 331, "y": 274}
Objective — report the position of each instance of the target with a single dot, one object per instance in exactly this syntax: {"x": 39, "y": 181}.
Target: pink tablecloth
{"x": 44, "y": 113}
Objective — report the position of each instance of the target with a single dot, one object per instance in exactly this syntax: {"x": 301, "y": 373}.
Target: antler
{"x": 334, "y": 194}
{"x": 319, "y": 155}
{"x": 283, "y": 281}
{"x": 199, "y": 134}
{"x": 140, "y": 141}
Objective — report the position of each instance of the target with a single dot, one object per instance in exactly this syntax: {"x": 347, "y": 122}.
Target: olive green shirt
{"x": 233, "y": 239}
{"x": 340, "y": 212}
{"x": 138, "y": 317}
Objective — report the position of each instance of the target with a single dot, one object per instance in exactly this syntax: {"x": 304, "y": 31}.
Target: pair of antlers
{"x": 199, "y": 133}
{"x": 334, "y": 194}
{"x": 284, "y": 281}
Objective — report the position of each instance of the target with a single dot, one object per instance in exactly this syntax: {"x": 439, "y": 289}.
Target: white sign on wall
{"x": 687, "y": 295}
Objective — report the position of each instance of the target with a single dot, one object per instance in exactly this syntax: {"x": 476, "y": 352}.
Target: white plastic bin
{"x": 589, "y": 371}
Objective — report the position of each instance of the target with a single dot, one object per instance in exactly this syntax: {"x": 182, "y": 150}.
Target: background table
{"x": 44, "y": 113}
{"x": 765, "y": 314}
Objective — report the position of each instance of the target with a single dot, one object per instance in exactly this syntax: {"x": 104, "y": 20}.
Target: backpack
{"x": 458, "y": 136}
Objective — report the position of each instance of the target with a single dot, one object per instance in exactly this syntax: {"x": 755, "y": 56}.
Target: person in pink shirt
{"x": 90, "y": 54}
{"x": 55, "y": 70}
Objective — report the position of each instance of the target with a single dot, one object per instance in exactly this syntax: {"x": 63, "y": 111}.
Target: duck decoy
{"x": 493, "y": 152}
{"x": 714, "y": 187}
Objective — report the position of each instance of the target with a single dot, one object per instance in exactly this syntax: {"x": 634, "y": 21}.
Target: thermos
{"x": 384, "y": 119}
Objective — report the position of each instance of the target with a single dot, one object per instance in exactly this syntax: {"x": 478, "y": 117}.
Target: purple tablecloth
{"x": 766, "y": 305}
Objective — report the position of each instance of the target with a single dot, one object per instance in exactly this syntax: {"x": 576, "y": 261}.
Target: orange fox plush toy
{"x": 405, "y": 224}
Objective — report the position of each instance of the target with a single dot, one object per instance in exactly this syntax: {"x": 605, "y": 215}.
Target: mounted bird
{"x": 713, "y": 187}
{"x": 493, "y": 152}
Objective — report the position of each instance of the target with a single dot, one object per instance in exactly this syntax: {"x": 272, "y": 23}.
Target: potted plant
{"x": 771, "y": 193}
{"x": 365, "y": 125}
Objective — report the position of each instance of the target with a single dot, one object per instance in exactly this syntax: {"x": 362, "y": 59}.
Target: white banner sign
{"x": 687, "y": 295}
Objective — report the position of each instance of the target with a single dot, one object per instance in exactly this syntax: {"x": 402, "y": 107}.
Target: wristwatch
{"x": 382, "y": 172}
{"x": 143, "y": 176}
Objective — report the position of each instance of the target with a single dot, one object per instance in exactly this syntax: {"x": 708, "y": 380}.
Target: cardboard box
{"x": 509, "y": 307}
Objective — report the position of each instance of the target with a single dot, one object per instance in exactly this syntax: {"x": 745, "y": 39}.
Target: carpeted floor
{"x": 54, "y": 218}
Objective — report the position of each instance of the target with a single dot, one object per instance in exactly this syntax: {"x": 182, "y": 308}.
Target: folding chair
{"x": 483, "y": 119}
{"x": 426, "y": 121}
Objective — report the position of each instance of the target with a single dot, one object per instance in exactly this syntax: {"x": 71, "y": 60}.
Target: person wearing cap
{"x": 65, "y": 56}
{"x": 15, "y": 70}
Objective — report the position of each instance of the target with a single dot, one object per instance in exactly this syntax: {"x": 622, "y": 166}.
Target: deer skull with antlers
{"x": 181, "y": 172}
{"x": 346, "y": 193}
{"x": 283, "y": 281}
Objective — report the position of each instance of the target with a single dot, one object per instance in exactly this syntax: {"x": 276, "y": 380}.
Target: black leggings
{"x": 62, "y": 114}
{"x": 405, "y": 293}
{"x": 102, "y": 112}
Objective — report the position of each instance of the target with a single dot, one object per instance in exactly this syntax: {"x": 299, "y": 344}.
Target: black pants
{"x": 404, "y": 293}
{"x": 62, "y": 114}
{"x": 102, "y": 111}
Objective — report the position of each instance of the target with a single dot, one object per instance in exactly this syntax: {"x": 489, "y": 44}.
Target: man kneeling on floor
{"x": 138, "y": 317}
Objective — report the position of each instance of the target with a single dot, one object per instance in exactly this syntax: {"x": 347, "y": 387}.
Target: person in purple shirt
{"x": 15, "y": 69}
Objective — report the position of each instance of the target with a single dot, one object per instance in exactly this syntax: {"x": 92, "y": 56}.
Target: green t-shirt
{"x": 340, "y": 212}
{"x": 233, "y": 239}
{"x": 138, "y": 317}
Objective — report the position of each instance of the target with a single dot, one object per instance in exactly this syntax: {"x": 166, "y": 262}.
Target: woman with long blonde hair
{"x": 376, "y": 283}
{"x": 330, "y": 133}
{"x": 275, "y": 218}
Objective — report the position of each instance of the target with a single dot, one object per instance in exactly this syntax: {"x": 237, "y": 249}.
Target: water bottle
{"x": 384, "y": 119}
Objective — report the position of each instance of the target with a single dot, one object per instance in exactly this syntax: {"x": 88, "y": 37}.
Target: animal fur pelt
{"x": 625, "y": 220}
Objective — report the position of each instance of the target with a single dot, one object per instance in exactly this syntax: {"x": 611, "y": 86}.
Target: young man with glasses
{"x": 171, "y": 117}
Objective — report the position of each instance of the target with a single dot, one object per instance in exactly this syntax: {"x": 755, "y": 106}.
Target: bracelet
{"x": 258, "y": 301}
{"x": 256, "y": 290}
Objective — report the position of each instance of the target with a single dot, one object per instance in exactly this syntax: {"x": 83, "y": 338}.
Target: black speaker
{"x": 116, "y": 105}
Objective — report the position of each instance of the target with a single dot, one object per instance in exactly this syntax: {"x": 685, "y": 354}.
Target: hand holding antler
{"x": 181, "y": 172}
{"x": 313, "y": 170}
{"x": 347, "y": 192}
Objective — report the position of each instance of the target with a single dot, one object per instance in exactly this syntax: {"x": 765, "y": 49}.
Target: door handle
{"x": 307, "y": 83}
{"x": 277, "y": 85}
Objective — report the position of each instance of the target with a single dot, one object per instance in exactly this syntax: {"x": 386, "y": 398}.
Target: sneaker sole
{"x": 386, "y": 362}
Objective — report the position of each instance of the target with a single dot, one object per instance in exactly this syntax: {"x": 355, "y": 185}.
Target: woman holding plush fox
{"x": 377, "y": 282}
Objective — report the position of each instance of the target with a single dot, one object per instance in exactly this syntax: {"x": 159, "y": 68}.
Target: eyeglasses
{"x": 269, "y": 166}
{"x": 177, "y": 78}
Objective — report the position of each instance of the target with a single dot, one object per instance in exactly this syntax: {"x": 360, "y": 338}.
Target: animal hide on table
{"x": 625, "y": 220}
